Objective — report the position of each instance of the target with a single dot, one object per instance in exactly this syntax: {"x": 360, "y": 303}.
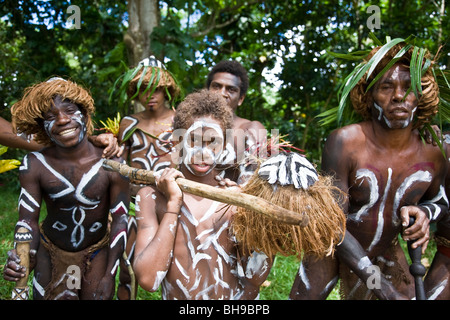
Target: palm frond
{"x": 417, "y": 68}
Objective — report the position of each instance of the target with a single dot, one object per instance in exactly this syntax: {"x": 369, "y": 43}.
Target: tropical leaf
{"x": 435, "y": 137}
{"x": 112, "y": 125}
{"x": 6, "y": 165}
{"x": 3, "y": 149}
{"x": 389, "y": 65}
{"x": 417, "y": 68}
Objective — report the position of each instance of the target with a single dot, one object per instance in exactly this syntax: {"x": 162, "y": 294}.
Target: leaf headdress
{"x": 420, "y": 64}
{"x": 147, "y": 76}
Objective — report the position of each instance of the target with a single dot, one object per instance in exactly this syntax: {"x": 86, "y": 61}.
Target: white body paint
{"x": 370, "y": 177}
{"x": 207, "y": 240}
{"x": 78, "y": 212}
{"x": 141, "y": 142}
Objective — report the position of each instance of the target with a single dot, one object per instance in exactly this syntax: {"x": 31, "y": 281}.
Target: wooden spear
{"x": 228, "y": 196}
{"x": 22, "y": 238}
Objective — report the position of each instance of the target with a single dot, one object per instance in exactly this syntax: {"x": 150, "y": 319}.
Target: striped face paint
{"x": 381, "y": 115}
{"x": 202, "y": 147}
{"x": 75, "y": 116}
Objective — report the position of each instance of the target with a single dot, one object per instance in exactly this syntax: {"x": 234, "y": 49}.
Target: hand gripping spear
{"x": 228, "y": 196}
{"x": 22, "y": 239}
{"x": 417, "y": 269}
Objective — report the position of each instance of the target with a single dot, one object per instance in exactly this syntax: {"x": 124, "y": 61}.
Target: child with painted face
{"x": 77, "y": 246}
{"x": 184, "y": 242}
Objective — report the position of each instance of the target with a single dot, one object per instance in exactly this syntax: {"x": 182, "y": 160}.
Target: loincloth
{"x": 352, "y": 287}
{"x": 63, "y": 281}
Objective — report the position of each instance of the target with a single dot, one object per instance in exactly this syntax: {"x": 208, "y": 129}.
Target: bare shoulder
{"x": 348, "y": 137}
{"x": 350, "y": 133}
{"x": 126, "y": 124}
{"x": 30, "y": 162}
{"x": 246, "y": 124}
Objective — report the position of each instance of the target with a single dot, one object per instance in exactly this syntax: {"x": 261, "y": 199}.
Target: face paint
{"x": 404, "y": 123}
{"x": 203, "y": 152}
{"x": 77, "y": 117}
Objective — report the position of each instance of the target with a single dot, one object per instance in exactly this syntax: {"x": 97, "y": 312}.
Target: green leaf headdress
{"x": 420, "y": 63}
{"x": 147, "y": 76}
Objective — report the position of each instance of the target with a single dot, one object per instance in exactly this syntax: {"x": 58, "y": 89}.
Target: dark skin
{"x": 228, "y": 85}
{"x": 192, "y": 265}
{"x": 388, "y": 172}
{"x": 79, "y": 195}
{"x": 9, "y": 139}
{"x": 437, "y": 280}
{"x": 145, "y": 152}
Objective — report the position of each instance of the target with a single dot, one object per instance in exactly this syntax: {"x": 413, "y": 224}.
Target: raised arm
{"x": 10, "y": 139}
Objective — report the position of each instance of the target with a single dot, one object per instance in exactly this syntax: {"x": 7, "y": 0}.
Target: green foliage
{"x": 288, "y": 37}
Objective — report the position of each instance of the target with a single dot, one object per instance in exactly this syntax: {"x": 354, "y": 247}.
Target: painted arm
{"x": 431, "y": 208}
{"x": 10, "y": 139}
{"x": 317, "y": 277}
{"x": 156, "y": 240}
{"x": 29, "y": 206}
{"x": 253, "y": 271}
{"x": 119, "y": 201}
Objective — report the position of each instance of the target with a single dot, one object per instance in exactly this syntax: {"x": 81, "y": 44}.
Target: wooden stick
{"x": 22, "y": 238}
{"x": 417, "y": 269}
{"x": 228, "y": 196}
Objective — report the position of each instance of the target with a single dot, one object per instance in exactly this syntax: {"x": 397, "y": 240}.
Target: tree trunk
{"x": 143, "y": 16}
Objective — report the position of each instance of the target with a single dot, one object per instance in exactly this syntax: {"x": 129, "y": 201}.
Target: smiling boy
{"x": 85, "y": 225}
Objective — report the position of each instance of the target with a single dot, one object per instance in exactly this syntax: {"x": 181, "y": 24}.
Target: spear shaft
{"x": 228, "y": 196}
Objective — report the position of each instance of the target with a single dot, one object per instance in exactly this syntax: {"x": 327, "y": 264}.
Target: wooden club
{"x": 228, "y": 196}
{"x": 417, "y": 269}
{"x": 22, "y": 238}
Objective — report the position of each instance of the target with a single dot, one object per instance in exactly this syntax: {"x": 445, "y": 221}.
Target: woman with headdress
{"x": 146, "y": 135}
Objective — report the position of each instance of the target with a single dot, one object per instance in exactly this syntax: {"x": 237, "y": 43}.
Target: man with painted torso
{"x": 389, "y": 175}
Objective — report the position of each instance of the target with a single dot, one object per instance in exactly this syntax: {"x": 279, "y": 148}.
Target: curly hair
{"x": 27, "y": 113}
{"x": 165, "y": 81}
{"x": 428, "y": 102}
{"x": 233, "y": 67}
{"x": 202, "y": 103}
